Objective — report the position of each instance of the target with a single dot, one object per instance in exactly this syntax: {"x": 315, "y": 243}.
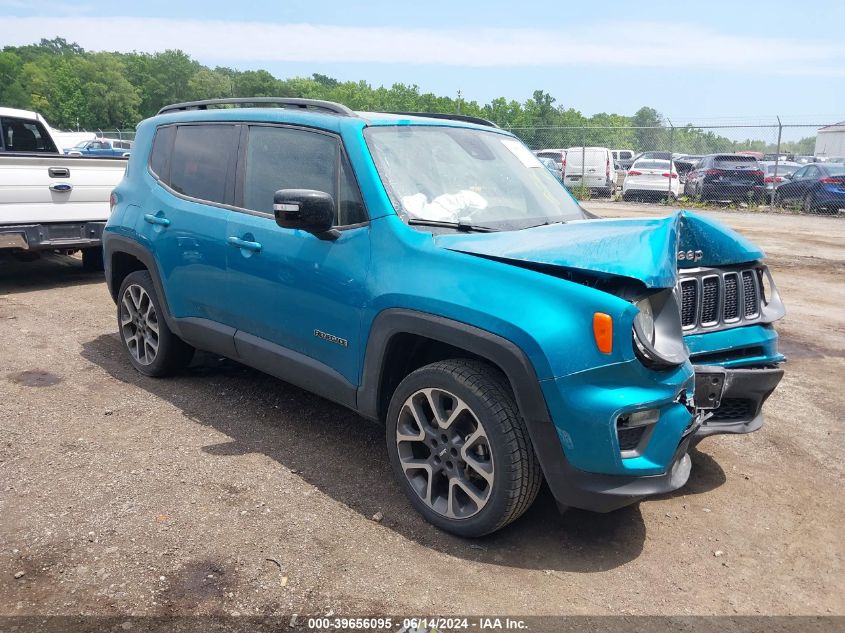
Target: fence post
{"x": 775, "y": 176}
{"x": 671, "y": 148}
{"x": 583, "y": 157}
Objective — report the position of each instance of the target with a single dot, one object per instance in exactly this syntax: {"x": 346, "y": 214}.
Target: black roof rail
{"x": 285, "y": 102}
{"x": 455, "y": 117}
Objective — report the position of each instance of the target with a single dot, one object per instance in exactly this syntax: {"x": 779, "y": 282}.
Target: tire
{"x": 478, "y": 423}
{"x": 807, "y": 204}
{"x": 92, "y": 259}
{"x": 153, "y": 349}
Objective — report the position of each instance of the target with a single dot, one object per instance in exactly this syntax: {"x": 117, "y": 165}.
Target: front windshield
{"x": 467, "y": 176}
{"x": 81, "y": 145}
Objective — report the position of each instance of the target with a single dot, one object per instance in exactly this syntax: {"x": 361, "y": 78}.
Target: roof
{"x": 313, "y": 112}
{"x": 836, "y": 127}
{"x": 21, "y": 114}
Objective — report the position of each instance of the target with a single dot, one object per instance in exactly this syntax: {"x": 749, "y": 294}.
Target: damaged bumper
{"x": 740, "y": 406}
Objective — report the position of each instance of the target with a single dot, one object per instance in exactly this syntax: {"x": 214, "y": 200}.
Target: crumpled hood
{"x": 646, "y": 249}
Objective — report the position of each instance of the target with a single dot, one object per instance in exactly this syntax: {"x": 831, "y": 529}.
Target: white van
{"x": 590, "y": 167}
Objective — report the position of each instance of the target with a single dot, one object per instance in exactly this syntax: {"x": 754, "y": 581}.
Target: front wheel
{"x": 154, "y": 350}
{"x": 460, "y": 449}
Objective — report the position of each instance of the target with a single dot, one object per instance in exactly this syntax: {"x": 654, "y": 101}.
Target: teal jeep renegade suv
{"x": 429, "y": 273}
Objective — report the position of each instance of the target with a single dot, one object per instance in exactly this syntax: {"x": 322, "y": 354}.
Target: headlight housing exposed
{"x": 658, "y": 336}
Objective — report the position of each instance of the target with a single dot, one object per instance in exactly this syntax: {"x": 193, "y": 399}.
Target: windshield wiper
{"x": 546, "y": 223}
{"x": 460, "y": 225}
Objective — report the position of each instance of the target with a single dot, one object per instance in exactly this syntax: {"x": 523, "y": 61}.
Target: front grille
{"x": 689, "y": 302}
{"x": 734, "y": 409}
{"x": 629, "y": 439}
{"x": 752, "y": 298}
{"x": 731, "y": 309}
{"x": 712, "y": 298}
{"x": 709, "y": 299}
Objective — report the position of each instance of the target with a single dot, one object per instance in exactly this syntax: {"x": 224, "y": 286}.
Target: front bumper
{"x": 741, "y": 406}
{"x": 55, "y": 236}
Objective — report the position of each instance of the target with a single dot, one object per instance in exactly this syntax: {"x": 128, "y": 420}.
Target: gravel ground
{"x": 227, "y": 491}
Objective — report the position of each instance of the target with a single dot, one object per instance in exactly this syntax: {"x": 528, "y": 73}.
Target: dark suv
{"x": 730, "y": 177}
{"x": 429, "y": 273}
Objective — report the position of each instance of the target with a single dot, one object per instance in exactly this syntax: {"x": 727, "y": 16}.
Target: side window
{"x": 200, "y": 161}
{"x": 20, "y": 135}
{"x": 160, "y": 154}
{"x": 286, "y": 158}
{"x": 812, "y": 172}
{"x": 798, "y": 175}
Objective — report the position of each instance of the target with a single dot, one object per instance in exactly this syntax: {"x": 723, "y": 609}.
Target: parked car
{"x": 622, "y": 155}
{"x": 552, "y": 166}
{"x": 102, "y": 147}
{"x": 50, "y": 202}
{"x": 650, "y": 178}
{"x": 557, "y": 155}
{"x": 815, "y": 187}
{"x": 685, "y": 163}
{"x": 772, "y": 180}
{"x": 590, "y": 167}
{"x": 431, "y": 275}
{"x": 726, "y": 177}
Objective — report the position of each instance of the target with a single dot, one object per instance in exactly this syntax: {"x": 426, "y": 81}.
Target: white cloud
{"x": 628, "y": 44}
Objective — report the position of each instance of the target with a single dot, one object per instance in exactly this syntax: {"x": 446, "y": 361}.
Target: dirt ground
{"x": 226, "y": 491}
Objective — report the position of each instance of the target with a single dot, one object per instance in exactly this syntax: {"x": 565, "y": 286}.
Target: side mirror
{"x": 306, "y": 209}
{"x": 787, "y": 176}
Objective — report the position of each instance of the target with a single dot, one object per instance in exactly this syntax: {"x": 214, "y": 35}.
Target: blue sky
{"x": 717, "y": 61}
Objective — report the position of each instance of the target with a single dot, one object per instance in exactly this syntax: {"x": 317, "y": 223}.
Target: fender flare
{"x": 120, "y": 244}
{"x": 494, "y": 348}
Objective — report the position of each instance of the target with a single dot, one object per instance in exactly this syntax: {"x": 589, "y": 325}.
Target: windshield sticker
{"x": 522, "y": 153}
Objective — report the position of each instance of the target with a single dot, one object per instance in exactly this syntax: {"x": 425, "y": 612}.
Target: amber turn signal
{"x": 603, "y": 332}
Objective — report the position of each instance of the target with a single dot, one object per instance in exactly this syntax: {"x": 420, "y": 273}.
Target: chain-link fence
{"x": 743, "y": 165}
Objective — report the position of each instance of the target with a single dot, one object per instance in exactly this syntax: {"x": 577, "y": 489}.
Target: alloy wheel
{"x": 445, "y": 453}
{"x": 139, "y": 324}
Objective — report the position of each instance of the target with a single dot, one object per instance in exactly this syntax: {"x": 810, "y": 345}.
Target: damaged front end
{"x": 686, "y": 274}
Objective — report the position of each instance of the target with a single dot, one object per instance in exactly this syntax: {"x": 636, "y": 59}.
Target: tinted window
{"x": 736, "y": 162}
{"x": 160, "y": 154}
{"x": 20, "y": 135}
{"x": 285, "y": 158}
{"x": 651, "y": 164}
{"x": 200, "y": 161}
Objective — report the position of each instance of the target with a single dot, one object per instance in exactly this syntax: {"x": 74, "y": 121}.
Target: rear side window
{"x": 287, "y": 158}
{"x": 201, "y": 159}
{"x": 20, "y": 135}
{"x": 160, "y": 154}
{"x": 736, "y": 162}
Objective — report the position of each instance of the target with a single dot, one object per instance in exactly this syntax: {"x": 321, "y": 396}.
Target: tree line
{"x": 73, "y": 88}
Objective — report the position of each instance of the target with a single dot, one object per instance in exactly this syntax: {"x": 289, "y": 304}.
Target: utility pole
{"x": 459, "y": 100}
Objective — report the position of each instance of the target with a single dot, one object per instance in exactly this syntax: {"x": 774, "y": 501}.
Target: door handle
{"x": 245, "y": 244}
{"x": 156, "y": 219}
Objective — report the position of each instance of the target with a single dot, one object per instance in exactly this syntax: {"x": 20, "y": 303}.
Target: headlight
{"x": 658, "y": 336}
{"x": 645, "y": 319}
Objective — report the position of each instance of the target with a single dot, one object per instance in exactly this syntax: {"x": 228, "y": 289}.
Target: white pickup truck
{"x": 50, "y": 201}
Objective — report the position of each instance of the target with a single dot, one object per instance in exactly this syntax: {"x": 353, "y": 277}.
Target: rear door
{"x": 801, "y": 180}
{"x": 183, "y": 220}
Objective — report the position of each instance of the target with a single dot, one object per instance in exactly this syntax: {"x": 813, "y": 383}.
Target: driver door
{"x": 295, "y": 298}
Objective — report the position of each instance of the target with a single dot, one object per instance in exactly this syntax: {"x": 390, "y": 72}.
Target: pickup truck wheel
{"x": 92, "y": 259}
{"x": 460, "y": 449}
{"x": 153, "y": 349}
